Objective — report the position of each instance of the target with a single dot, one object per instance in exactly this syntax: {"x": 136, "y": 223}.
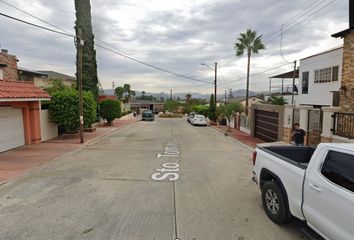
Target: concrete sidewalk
{"x": 17, "y": 161}
{"x": 241, "y": 136}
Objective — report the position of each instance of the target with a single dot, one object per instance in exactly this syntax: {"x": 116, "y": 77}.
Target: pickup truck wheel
{"x": 274, "y": 203}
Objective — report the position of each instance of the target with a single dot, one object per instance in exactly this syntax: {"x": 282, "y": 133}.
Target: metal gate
{"x": 266, "y": 125}
{"x": 314, "y": 127}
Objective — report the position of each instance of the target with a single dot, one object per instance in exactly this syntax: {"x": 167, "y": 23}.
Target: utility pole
{"x": 113, "y": 85}
{"x": 294, "y": 75}
{"x": 215, "y": 82}
{"x": 225, "y": 95}
{"x": 171, "y": 94}
{"x": 79, "y": 44}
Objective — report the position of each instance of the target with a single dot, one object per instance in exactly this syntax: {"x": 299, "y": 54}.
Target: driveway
{"x": 150, "y": 180}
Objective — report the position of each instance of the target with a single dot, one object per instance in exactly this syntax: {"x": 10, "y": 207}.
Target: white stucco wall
{"x": 49, "y": 129}
{"x": 319, "y": 93}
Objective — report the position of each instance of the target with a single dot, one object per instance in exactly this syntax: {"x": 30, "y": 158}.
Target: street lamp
{"x": 215, "y": 69}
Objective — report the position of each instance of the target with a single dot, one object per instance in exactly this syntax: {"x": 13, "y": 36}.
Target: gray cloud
{"x": 176, "y": 40}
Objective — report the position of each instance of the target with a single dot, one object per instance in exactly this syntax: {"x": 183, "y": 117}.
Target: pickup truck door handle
{"x": 315, "y": 187}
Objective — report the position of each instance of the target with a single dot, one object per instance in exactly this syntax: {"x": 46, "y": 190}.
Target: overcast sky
{"x": 178, "y": 36}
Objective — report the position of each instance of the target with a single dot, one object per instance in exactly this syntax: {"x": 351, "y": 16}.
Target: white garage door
{"x": 11, "y": 128}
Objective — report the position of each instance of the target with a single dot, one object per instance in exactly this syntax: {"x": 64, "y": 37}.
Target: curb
{"x": 235, "y": 139}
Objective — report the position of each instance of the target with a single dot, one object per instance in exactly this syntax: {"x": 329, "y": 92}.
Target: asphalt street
{"x": 161, "y": 180}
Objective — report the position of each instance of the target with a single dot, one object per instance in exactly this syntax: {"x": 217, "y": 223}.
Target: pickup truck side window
{"x": 339, "y": 169}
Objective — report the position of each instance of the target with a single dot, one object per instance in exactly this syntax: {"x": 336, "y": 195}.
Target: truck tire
{"x": 275, "y": 203}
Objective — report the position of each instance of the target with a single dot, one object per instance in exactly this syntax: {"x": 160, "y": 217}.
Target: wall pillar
{"x": 27, "y": 124}
{"x": 288, "y": 121}
{"x": 327, "y": 123}
{"x": 35, "y": 123}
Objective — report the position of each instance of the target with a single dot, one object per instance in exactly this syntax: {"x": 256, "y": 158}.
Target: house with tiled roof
{"x": 20, "y": 112}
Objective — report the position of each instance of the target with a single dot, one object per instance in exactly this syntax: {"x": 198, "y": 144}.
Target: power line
{"x": 35, "y": 25}
{"x": 103, "y": 47}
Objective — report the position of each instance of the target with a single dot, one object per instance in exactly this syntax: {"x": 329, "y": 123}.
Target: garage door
{"x": 266, "y": 125}
{"x": 11, "y": 128}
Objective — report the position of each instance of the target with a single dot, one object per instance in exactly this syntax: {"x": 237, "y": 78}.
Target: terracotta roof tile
{"x": 20, "y": 89}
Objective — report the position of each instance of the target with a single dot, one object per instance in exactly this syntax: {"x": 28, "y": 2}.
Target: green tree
{"x": 201, "y": 109}
{"x": 64, "y": 110}
{"x": 230, "y": 109}
{"x": 277, "y": 100}
{"x": 110, "y": 109}
{"x": 143, "y": 93}
{"x": 89, "y": 64}
{"x": 250, "y": 43}
{"x": 212, "y": 108}
{"x": 171, "y": 105}
{"x": 188, "y": 97}
{"x": 119, "y": 92}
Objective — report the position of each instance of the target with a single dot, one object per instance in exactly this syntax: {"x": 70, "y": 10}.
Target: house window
{"x": 305, "y": 82}
{"x": 335, "y": 74}
{"x": 325, "y": 75}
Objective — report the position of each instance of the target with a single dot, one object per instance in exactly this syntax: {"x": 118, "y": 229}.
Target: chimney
{"x": 4, "y": 51}
{"x": 351, "y": 14}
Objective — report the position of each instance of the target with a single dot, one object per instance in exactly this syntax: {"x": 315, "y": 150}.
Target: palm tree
{"x": 188, "y": 97}
{"x": 251, "y": 43}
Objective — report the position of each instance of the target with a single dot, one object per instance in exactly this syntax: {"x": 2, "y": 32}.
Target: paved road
{"x": 106, "y": 191}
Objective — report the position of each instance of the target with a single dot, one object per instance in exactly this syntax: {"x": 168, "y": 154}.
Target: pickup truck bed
{"x": 298, "y": 156}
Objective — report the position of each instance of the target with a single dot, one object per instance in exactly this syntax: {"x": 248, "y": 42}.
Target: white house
{"x": 320, "y": 78}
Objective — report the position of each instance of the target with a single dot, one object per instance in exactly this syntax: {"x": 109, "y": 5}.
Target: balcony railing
{"x": 343, "y": 125}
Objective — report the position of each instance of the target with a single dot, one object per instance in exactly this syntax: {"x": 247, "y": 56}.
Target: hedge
{"x": 110, "y": 109}
{"x": 64, "y": 109}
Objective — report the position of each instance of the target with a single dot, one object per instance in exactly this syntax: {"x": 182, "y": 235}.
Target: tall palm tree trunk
{"x": 248, "y": 79}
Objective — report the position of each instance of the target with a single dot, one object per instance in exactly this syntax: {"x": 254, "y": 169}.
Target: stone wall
{"x": 347, "y": 84}
{"x": 10, "y": 71}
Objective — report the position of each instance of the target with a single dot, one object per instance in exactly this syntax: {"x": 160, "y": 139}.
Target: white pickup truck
{"x": 313, "y": 185}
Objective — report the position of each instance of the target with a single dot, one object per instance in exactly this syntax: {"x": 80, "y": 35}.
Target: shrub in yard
{"x": 64, "y": 109}
{"x": 110, "y": 109}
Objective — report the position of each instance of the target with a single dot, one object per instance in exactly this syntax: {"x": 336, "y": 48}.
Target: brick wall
{"x": 10, "y": 71}
{"x": 347, "y": 84}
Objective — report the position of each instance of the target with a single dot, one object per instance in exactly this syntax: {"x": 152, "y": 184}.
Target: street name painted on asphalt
{"x": 169, "y": 170}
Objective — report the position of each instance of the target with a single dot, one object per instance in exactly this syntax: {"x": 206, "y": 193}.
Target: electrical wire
{"x": 103, "y": 47}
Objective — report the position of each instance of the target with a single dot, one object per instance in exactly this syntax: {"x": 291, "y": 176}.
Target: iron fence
{"x": 343, "y": 125}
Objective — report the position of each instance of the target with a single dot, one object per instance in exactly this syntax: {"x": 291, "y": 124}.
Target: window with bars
{"x": 325, "y": 75}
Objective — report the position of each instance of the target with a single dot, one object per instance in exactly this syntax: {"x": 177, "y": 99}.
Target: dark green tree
{"x": 212, "y": 108}
{"x": 89, "y": 64}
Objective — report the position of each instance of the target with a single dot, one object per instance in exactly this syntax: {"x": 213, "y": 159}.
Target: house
{"x": 20, "y": 114}
{"x": 43, "y": 79}
{"x": 139, "y": 105}
{"x": 320, "y": 79}
{"x": 242, "y": 100}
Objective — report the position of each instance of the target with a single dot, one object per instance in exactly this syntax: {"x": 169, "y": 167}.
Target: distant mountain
{"x": 237, "y": 93}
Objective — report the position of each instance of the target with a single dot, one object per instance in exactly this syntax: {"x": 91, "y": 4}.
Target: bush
{"x": 110, "y": 109}
{"x": 171, "y": 105}
{"x": 64, "y": 109}
{"x": 126, "y": 112}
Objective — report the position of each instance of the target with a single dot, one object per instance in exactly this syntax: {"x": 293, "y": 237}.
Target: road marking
{"x": 168, "y": 172}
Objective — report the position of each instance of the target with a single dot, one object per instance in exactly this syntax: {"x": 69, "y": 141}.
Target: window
{"x": 325, "y": 75}
{"x": 305, "y": 82}
{"x": 339, "y": 169}
{"x": 335, "y": 74}
{"x": 1, "y": 74}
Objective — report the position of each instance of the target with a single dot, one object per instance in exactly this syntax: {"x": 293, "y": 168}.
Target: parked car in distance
{"x": 313, "y": 185}
{"x": 199, "y": 120}
{"x": 148, "y": 115}
{"x": 190, "y": 116}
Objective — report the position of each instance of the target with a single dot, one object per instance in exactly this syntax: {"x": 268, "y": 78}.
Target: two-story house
{"x": 320, "y": 79}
